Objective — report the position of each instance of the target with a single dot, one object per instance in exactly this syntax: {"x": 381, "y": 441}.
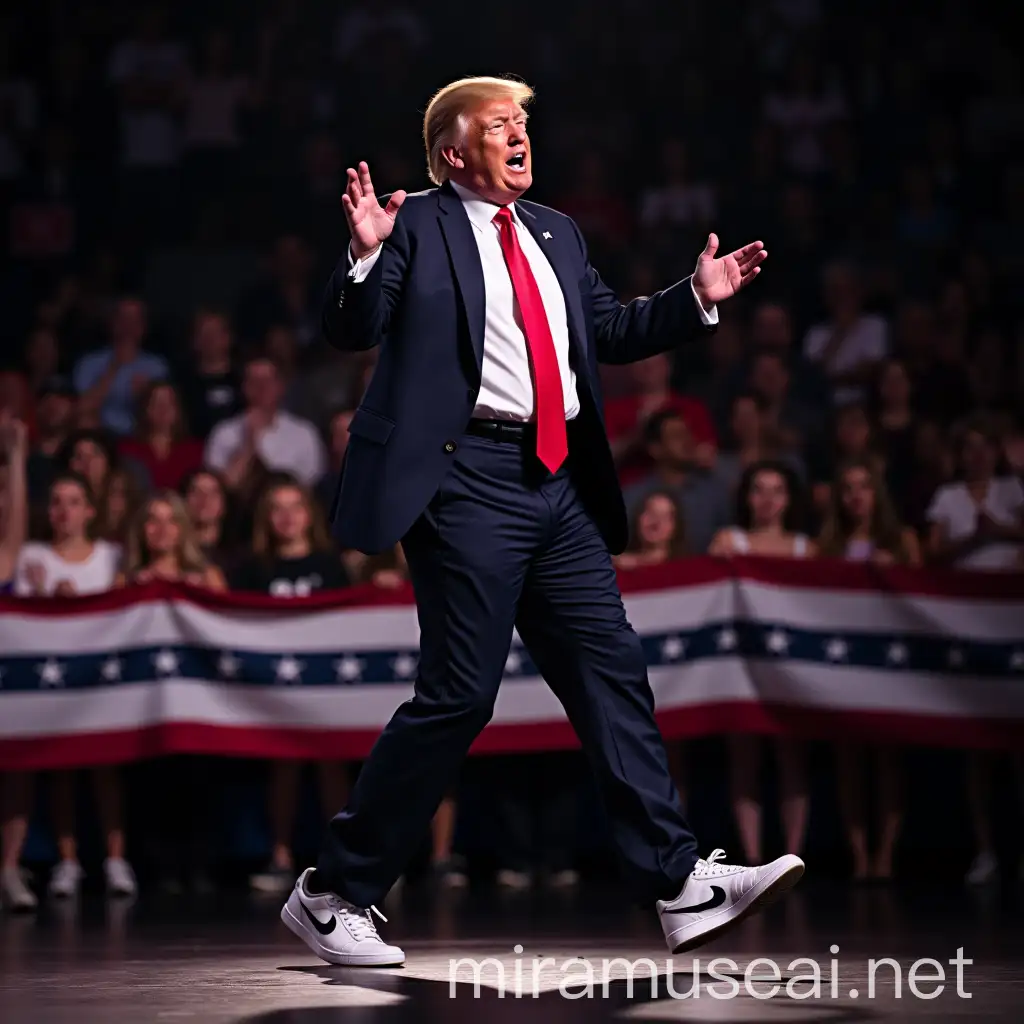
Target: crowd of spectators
{"x": 169, "y": 192}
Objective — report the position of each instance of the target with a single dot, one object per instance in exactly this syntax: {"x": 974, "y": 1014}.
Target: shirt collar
{"x": 479, "y": 210}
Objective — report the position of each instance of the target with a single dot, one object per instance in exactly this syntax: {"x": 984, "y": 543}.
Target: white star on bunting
{"x": 726, "y": 639}
{"x": 777, "y": 641}
{"x": 51, "y": 673}
{"x": 673, "y": 648}
{"x": 405, "y": 665}
{"x": 836, "y": 649}
{"x": 348, "y": 669}
{"x": 1017, "y": 661}
{"x": 111, "y": 669}
{"x": 166, "y": 662}
{"x": 514, "y": 661}
{"x": 288, "y": 669}
{"x": 228, "y": 665}
{"x": 897, "y": 654}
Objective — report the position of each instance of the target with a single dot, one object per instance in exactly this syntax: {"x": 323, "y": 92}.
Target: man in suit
{"x": 480, "y": 446}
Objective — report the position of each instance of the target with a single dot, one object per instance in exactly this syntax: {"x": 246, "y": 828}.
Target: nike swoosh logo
{"x": 326, "y": 929}
{"x": 717, "y": 899}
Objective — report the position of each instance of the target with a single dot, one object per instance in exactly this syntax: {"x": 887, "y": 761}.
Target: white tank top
{"x": 741, "y": 542}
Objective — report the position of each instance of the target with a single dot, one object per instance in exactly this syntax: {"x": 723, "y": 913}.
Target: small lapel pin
{"x": 547, "y": 234}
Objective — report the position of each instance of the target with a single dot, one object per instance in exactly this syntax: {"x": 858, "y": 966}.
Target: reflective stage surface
{"x": 229, "y": 959}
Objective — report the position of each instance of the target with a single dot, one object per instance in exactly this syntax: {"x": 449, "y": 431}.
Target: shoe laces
{"x": 711, "y": 866}
{"x": 359, "y": 922}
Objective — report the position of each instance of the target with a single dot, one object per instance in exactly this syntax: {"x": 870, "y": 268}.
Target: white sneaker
{"x": 717, "y": 895}
{"x": 120, "y": 877}
{"x": 983, "y": 870}
{"x": 337, "y": 931}
{"x": 65, "y": 880}
{"x": 14, "y": 893}
{"x": 508, "y": 878}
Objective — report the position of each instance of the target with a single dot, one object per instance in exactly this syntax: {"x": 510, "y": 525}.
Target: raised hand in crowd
{"x": 35, "y": 575}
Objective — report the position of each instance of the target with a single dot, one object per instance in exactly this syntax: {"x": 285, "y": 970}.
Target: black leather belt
{"x": 503, "y": 430}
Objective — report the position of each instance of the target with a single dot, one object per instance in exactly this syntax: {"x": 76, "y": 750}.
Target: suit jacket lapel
{"x": 465, "y": 257}
{"x": 564, "y": 272}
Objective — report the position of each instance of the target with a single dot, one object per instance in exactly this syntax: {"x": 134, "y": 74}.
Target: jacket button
{"x": 450, "y": 446}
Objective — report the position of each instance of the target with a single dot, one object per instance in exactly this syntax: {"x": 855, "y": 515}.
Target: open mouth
{"x": 517, "y": 162}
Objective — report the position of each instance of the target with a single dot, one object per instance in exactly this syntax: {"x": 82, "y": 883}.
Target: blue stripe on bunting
{"x": 890, "y": 652}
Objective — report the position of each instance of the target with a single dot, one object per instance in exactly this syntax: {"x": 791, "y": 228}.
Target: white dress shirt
{"x": 289, "y": 445}
{"x": 506, "y": 386}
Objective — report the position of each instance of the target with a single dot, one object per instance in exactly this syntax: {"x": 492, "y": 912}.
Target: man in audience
{"x": 626, "y": 417}
{"x": 109, "y": 381}
{"x": 211, "y": 389}
{"x": 771, "y": 330}
{"x": 288, "y": 295}
{"x": 55, "y": 417}
{"x": 789, "y": 424}
{"x": 265, "y": 435}
{"x": 941, "y": 389}
{"x": 701, "y": 495}
{"x": 851, "y": 343}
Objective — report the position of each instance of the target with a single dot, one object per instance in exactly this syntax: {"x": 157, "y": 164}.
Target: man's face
{"x": 769, "y": 378}
{"x": 262, "y": 386}
{"x": 675, "y": 445}
{"x": 494, "y": 157}
{"x": 771, "y": 328}
{"x": 129, "y": 324}
{"x": 213, "y": 336}
{"x": 54, "y": 412}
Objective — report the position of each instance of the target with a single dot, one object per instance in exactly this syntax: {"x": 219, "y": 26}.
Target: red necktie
{"x": 549, "y": 403}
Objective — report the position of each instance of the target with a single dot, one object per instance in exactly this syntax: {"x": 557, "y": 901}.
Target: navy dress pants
{"x": 504, "y": 544}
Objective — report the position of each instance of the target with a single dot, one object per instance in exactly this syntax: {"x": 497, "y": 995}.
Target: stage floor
{"x": 229, "y": 959}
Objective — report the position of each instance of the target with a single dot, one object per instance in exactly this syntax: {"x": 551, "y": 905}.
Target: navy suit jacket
{"x": 423, "y": 303}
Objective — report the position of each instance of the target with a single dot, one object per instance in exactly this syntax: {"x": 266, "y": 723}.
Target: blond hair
{"x": 445, "y": 119}
{"x": 189, "y": 555}
{"x": 264, "y": 544}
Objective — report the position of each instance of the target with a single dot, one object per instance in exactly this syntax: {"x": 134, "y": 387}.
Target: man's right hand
{"x": 368, "y": 221}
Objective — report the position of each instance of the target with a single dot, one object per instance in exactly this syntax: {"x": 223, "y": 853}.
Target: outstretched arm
{"x": 657, "y": 323}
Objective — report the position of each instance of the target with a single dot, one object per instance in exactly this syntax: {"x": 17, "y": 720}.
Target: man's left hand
{"x": 716, "y": 280}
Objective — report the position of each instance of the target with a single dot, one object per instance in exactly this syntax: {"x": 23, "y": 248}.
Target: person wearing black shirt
{"x": 211, "y": 389}
{"x": 292, "y": 557}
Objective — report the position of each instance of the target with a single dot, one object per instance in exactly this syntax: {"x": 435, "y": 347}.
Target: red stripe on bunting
{"x": 821, "y": 574}
{"x": 80, "y": 750}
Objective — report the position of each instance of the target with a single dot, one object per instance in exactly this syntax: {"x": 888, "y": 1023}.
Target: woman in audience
{"x": 162, "y": 545}
{"x": 853, "y": 437}
{"x": 206, "y": 500}
{"x": 292, "y": 557}
{"x": 13, "y": 496}
{"x": 660, "y": 533}
{"x": 71, "y": 563}
{"x": 750, "y": 442}
{"x": 896, "y": 429}
{"x": 161, "y": 441}
{"x": 117, "y": 510}
{"x": 17, "y": 786}
{"x": 768, "y": 511}
{"x": 977, "y": 522}
{"x": 861, "y": 526}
